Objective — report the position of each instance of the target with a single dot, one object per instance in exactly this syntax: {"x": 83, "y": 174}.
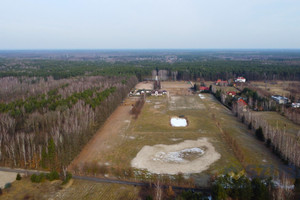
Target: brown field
{"x": 122, "y": 138}
{"x": 108, "y": 136}
{"x": 75, "y": 190}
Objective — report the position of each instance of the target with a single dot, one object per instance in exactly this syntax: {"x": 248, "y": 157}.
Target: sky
{"x": 149, "y": 24}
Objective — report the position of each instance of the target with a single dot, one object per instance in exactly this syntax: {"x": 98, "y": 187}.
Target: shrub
{"x": 52, "y": 176}
{"x": 18, "y": 178}
{"x": 259, "y": 134}
{"x": 33, "y": 178}
{"x": 7, "y": 185}
{"x": 250, "y": 126}
{"x": 37, "y": 178}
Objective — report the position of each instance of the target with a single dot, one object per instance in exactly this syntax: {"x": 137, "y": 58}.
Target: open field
{"x": 76, "y": 190}
{"x": 283, "y": 88}
{"x": 278, "y": 121}
{"x": 207, "y": 119}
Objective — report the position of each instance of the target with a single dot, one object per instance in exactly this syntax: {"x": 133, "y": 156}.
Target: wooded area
{"x": 211, "y": 69}
{"x": 46, "y": 122}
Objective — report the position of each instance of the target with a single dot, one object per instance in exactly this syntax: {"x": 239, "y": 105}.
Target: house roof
{"x": 220, "y": 81}
{"x": 204, "y": 88}
{"x": 241, "y": 101}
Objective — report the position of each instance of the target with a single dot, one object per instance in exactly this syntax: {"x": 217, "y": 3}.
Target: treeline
{"x": 48, "y": 130}
{"x": 243, "y": 188}
{"x": 285, "y": 145}
{"x": 192, "y": 70}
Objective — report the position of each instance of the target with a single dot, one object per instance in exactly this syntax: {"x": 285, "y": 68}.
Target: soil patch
{"x": 190, "y": 156}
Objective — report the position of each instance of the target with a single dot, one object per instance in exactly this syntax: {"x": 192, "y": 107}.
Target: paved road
{"x": 101, "y": 180}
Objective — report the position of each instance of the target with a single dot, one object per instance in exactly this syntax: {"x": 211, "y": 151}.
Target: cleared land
{"x": 207, "y": 120}
{"x": 77, "y": 189}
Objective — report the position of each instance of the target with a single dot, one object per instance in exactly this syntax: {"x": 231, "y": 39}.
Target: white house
{"x": 240, "y": 79}
{"x": 296, "y": 105}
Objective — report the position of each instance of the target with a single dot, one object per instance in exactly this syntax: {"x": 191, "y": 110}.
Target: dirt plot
{"x": 7, "y": 177}
{"x": 147, "y": 85}
{"x": 190, "y": 156}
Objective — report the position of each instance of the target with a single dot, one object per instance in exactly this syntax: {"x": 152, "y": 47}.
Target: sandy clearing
{"x": 147, "y": 158}
{"x": 7, "y": 177}
{"x": 107, "y": 136}
{"x": 144, "y": 85}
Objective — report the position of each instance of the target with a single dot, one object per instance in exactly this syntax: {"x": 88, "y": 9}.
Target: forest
{"x": 46, "y": 122}
{"x": 211, "y": 69}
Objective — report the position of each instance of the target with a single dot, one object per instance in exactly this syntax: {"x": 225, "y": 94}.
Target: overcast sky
{"x": 154, "y": 24}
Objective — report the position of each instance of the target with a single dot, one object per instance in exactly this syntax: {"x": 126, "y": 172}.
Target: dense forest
{"x": 46, "y": 122}
{"x": 208, "y": 69}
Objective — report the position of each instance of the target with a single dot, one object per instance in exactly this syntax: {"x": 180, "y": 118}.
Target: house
{"x": 242, "y": 102}
{"x": 240, "y": 80}
{"x": 231, "y": 93}
{"x": 280, "y": 99}
{"x": 219, "y": 82}
{"x": 203, "y": 89}
{"x": 296, "y": 105}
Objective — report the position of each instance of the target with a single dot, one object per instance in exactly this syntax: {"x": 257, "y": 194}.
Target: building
{"x": 231, "y": 93}
{"x": 240, "y": 80}
{"x": 280, "y": 99}
{"x": 204, "y": 89}
{"x": 296, "y": 105}
{"x": 242, "y": 104}
{"x": 219, "y": 82}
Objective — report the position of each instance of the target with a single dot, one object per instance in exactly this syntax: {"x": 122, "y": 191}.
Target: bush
{"x": 33, "y": 178}
{"x": 259, "y": 134}
{"x": 37, "y": 178}
{"x": 7, "y": 185}
{"x": 18, "y": 178}
{"x": 52, "y": 176}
